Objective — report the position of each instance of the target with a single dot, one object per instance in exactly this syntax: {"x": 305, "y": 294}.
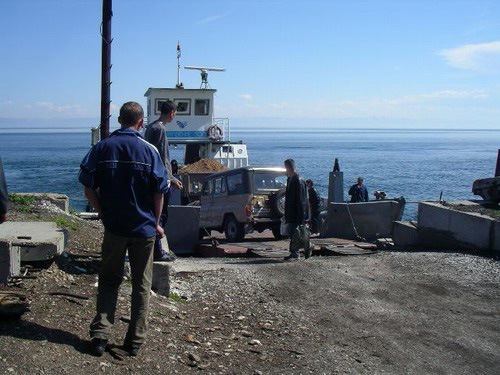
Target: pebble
{"x": 194, "y": 357}
{"x": 254, "y": 342}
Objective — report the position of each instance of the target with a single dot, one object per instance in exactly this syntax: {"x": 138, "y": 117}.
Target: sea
{"x": 417, "y": 164}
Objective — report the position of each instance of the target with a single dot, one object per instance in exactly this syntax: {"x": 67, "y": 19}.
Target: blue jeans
{"x": 294, "y": 251}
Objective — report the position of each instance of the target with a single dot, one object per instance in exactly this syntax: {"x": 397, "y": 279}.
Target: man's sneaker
{"x": 98, "y": 346}
{"x": 165, "y": 258}
{"x": 308, "y": 251}
{"x": 131, "y": 351}
{"x": 291, "y": 258}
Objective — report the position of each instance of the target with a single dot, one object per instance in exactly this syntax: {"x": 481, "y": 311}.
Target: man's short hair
{"x": 310, "y": 182}
{"x": 167, "y": 107}
{"x": 360, "y": 179}
{"x": 290, "y": 163}
{"x": 130, "y": 114}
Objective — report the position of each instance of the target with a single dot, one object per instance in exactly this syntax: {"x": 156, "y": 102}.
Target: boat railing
{"x": 223, "y": 124}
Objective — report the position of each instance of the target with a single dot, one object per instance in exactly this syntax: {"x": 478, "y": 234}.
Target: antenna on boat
{"x": 204, "y": 74}
{"x": 179, "y": 84}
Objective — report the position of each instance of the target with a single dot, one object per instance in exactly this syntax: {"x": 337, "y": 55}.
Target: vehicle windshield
{"x": 269, "y": 180}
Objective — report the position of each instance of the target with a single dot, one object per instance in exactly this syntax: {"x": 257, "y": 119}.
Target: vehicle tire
{"x": 234, "y": 231}
{"x": 278, "y": 203}
{"x": 277, "y": 232}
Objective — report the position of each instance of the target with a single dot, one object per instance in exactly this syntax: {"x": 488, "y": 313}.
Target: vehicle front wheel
{"x": 233, "y": 230}
{"x": 277, "y": 232}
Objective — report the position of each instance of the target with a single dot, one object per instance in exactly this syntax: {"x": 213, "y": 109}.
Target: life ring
{"x": 214, "y": 133}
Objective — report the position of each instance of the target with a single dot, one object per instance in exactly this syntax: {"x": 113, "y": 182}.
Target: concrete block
{"x": 161, "y": 278}
{"x": 10, "y": 261}
{"x": 373, "y": 219}
{"x": 405, "y": 234}
{"x": 60, "y": 200}
{"x": 182, "y": 229}
{"x": 442, "y": 226}
{"x": 36, "y": 241}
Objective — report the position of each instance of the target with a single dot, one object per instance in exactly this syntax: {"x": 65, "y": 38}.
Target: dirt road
{"x": 390, "y": 312}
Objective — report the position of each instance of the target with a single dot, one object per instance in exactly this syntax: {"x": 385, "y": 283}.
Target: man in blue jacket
{"x": 125, "y": 180}
{"x": 358, "y": 192}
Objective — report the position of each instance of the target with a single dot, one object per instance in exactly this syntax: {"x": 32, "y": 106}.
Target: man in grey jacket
{"x": 157, "y": 136}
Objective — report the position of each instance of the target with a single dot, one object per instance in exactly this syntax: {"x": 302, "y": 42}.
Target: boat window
{"x": 220, "y": 186}
{"x": 270, "y": 181}
{"x": 183, "y": 107}
{"x": 208, "y": 187}
{"x": 227, "y": 149}
{"x": 201, "y": 107}
{"x": 235, "y": 184}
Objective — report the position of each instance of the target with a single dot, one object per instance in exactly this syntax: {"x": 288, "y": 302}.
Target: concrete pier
{"x": 37, "y": 241}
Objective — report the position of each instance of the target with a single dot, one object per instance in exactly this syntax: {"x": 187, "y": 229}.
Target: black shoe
{"x": 291, "y": 258}
{"x": 98, "y": 346}
{"x": 131, "y": 351}
{"x": 165, "y": 258}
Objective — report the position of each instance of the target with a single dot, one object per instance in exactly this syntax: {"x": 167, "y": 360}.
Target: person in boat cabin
{"x": 156, "y": 134}
{"x": 358, "y": 192}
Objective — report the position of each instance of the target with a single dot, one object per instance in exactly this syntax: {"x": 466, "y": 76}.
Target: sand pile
{"x": 203, "y": 166}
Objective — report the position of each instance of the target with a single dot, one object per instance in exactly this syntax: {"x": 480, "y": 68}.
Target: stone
{"x": 37, "y": 241}
{"x": 161, "y": 278}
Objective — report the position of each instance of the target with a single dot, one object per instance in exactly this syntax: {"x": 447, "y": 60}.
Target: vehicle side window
{"x": 218, "y": 186}
{"x": 235, "y": 184}
{"x": 208, "y": 187}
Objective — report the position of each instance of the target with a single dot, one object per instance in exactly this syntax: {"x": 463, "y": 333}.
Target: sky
{"x": 294, "y": 64}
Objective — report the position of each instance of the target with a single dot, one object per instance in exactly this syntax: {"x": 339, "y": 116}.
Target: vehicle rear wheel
{"x": 278, "y": 203}
{"x": 233, "y": 230}
{"x": 277, "y": 232}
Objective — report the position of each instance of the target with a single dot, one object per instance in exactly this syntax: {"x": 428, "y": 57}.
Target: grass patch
{"x": 175, "y": 297}
{"x": 22, "y": 208}
{"x": 73, "y": 212}
{"x": 22, "y": 199}
{"x": 62, "y": 222}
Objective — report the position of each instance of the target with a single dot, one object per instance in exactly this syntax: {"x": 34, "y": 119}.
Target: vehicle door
{"x": 237, "y": 196}
{"x": 206, "y": 203}
{"x": 220, "y": 204}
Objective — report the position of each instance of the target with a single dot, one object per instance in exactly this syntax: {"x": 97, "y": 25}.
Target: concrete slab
{"x": 442, "y": 226}
{"x": 36, "y": 241}
{"x": 373, "y": 219}
{"x": 405, "y": 234}
{"x": 226, "y": 250}
{"x": 10, "y": 261}
{"x": 183, "y": 228}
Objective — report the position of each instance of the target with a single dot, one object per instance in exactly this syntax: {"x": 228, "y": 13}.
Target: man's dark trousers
{"x": 140, "y": 253}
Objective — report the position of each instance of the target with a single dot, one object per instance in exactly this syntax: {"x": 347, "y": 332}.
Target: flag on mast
{"x": 178, "y": 50}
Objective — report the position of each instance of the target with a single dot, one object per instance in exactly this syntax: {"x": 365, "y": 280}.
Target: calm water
{"x": 416, "y": 164}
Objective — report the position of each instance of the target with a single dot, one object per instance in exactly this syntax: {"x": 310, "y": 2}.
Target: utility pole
{"x": 107, "y": 13}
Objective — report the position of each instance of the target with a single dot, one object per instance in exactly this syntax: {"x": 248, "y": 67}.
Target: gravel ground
{"x": 390, "y": 312}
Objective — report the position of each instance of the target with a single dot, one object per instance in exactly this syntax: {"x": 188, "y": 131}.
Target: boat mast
{"x": 179, "y": 84}
{"x": 107, "y": 13}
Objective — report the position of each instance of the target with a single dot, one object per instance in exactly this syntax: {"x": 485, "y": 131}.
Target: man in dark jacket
{"x": 358, "y": 192}
{"x": 125, "y": 180}
{"x": 3, "y": 195}
{"x": 314, "y": 203}
{"x": 295, "y": 206}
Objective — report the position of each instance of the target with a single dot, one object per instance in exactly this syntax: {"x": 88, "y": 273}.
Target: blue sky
{"x": 289, "y": 63}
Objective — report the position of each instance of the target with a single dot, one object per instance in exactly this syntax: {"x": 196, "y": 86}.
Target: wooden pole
{"x": 107, "y": 13}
